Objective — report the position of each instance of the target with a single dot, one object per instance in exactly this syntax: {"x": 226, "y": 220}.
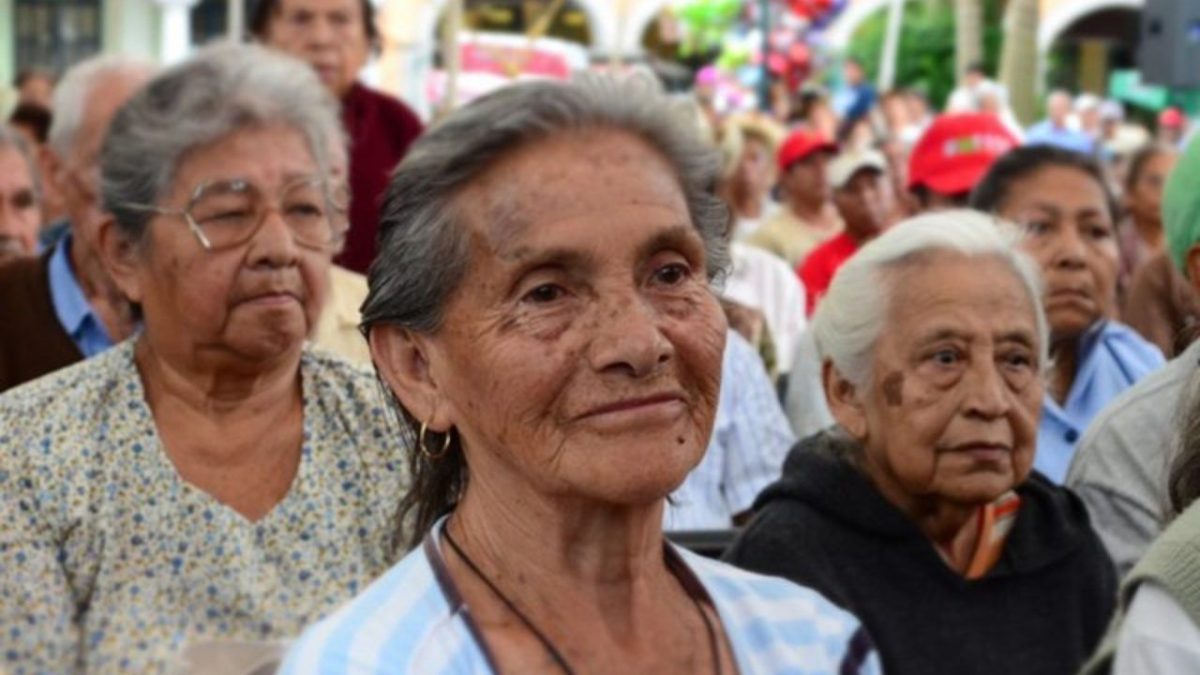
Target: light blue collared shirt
{"x": 413, "y": 620}
{"x": 71, "y": 306}
{"x": 1112, "y": 357}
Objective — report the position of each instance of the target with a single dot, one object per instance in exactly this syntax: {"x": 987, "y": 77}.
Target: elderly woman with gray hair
{"x": 211, "y": 478}
{"x": 541, "y": 311}
{"x": 20, "y": 196}
{"x": 919, "y": 512}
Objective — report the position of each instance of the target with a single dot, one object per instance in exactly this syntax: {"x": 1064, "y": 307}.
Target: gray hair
{"x": 222, "y": 89}
{"x": 423, "y": 253}
{"x": 71, "y": 94}
{"x": 422, "y": 248}
{"x": 10, "y": 138}
{"x": 852, "y": 314}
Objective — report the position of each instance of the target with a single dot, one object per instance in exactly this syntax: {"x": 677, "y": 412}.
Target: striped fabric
{"x": 412, "y": 620}
{"x": 750, "y": 439}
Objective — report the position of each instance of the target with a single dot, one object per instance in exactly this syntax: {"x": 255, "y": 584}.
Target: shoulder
{"x": 74, "y": 392}
{"x": 1135, "y": 353}
{"x": 21, "y": 270}
{"x": 390, "y": 109}
{"x": 1146, "y": 408}
{"x": 388, "y": 625}
{"x": 351, "y": 398}
{"x": 771, "y": 616}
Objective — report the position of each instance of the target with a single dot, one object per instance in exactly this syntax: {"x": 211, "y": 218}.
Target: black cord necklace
{"x": 556, "y": 655}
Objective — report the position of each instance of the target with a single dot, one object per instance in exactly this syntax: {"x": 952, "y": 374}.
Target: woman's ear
{"x": 120, "y": 258}
{"x": 401, "y": 358}
{"x": 844, "y": 401}
{"x": 1191, "y": 263}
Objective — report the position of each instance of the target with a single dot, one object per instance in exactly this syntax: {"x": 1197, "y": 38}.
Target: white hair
{"x": 72, "y": 92}
{"x": 853, "y": 313}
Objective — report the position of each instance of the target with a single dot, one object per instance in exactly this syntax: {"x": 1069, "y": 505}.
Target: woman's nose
{"x": 628, "y": 338}
{"x": 986, "y": 394}
{"x": 274, "y": 243}
{"x": 1069, "y": 250}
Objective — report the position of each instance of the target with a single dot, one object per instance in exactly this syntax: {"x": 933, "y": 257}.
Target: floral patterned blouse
{"x": 111, "y": 563}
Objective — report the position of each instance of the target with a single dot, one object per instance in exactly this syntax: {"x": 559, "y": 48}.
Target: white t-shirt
{"x": 1157, "y": 636}
{"x": 760, "y": 280}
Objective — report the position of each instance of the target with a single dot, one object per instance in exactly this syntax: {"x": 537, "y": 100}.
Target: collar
{"x": 70, "y": 305}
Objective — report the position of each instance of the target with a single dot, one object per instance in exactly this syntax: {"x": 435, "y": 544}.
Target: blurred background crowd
{"x": 850, "y": 138}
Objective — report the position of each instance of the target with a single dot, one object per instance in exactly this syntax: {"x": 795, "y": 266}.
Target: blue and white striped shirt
{"x": 413, "y": 620}
{"x": 750, "y": 439}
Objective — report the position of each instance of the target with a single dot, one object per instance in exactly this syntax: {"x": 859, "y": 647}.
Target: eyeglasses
{"x": 227, "y": 213}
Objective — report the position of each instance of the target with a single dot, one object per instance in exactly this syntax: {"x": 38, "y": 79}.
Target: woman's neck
{"x": 812, "y": 212}
{"x": 1150, "y": 232}
{"x": 214, "y": 383}
{"x": 949, "y": 526}
{"x": 563, "y": 540}
{"x": 1064, "y": 353}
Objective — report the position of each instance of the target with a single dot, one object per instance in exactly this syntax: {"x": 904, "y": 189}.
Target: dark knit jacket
{"x": 32, "y": 341}
{"x": 1040, "y": 610}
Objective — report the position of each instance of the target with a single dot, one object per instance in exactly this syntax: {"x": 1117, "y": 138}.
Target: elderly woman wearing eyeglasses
{"x": 213, "y": 477}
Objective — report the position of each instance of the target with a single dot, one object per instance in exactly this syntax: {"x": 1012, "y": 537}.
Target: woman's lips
{"x": 987, "y": 452}
{"x": 643, "y": 406}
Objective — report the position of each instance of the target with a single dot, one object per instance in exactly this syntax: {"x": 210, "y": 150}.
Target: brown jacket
{"x": 32, "y": 341}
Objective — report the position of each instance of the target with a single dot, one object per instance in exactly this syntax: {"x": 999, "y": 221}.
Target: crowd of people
{"x": 292, "y": 383}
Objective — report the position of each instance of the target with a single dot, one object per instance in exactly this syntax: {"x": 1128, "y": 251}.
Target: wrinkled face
{"x": 807, "y": 180}
{"x": 256, "y": 300}
{"x": 1070, "y": 233}
{"x": 1145, "y": 196}
{"x": 865, "y": 203}
{"x": 19, "y": 209}
{"x": 327, "y": 34}
{"x": 582, "y": 352}
{"x": 77, "y": 175}
{"x": 952, "y": 409}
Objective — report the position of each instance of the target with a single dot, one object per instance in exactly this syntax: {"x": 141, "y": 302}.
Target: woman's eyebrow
{"x": 680, "y": 236}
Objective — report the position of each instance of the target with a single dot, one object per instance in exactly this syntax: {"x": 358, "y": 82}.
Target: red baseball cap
{"x": 1171, "y": 118}
{"x": 956, "y": 151}
{"x": 800, "y": 144}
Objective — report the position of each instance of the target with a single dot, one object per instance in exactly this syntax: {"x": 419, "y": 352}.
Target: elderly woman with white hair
{"x": 542, "y": 312}
{"x": 918, "y": 511}
{"x": 212, "y": 477}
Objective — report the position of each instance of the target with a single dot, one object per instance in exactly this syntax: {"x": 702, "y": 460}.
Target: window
{"x": 210, "y": 20}
{"x": 55, "y": 34}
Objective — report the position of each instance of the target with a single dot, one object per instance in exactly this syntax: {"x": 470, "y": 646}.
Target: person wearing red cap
{"x": 806, "y": 217}
{"x": 1172, "y": 126}
{"x": 863, "y": 196}
{"x": 953, "y": 155}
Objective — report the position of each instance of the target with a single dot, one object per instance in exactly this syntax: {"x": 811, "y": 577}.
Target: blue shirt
{"x": 1045, "y": 133}
{"x": 750, "y": 439}
{"x": 70, "y": 305}
{"x": 413, "y": 620}
{"x": 1112, "y": 357}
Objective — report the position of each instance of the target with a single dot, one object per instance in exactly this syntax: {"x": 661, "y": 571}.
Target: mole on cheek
{"x": 893, "y": 388}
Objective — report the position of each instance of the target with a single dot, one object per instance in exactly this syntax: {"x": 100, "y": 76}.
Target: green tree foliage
{"x": 926, "y": 58}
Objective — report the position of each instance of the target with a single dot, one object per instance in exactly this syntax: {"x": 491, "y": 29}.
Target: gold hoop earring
{"x": 424, "y": 449}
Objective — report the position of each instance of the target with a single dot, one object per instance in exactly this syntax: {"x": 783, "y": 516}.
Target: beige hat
{"x": 845, "y": 165}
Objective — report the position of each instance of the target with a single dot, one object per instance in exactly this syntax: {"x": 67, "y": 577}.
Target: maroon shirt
{"x": 380, "y": 129}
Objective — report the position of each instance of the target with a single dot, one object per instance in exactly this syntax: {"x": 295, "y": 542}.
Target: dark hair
{"x": 265, "y": 9}
{"x": 993, "y": 191}
{"x": 1139, "y": 160}
{"x": 33, "y": 116}
{"x": 977, "y": 68}
{"x": 1183, "y": 481}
